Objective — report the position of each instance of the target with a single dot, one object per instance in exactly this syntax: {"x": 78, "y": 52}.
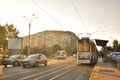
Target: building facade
{"x": 50, "y": 38}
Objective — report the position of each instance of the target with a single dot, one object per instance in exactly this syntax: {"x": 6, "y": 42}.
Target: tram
{"x": 86, "y": 51}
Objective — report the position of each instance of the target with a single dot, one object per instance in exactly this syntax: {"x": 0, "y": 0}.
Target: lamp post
{"x": 29, "y": 22}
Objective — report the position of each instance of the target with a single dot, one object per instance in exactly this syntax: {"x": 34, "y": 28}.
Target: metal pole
{"x": 29, "y": 39}
{"x": 118, "y": 63}
{"x": 30, "y": 21}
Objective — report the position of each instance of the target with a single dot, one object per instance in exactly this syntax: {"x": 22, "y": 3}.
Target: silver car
{"x": 14, "y": 60}
{"x": 34, "y": 60}
{"x": 114, "y": 55}
{"x": 61, "y": 54}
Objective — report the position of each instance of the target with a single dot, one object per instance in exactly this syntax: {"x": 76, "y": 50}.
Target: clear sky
{"x": 100, "y": 18}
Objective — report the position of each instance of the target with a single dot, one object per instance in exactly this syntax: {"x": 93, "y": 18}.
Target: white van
{"x": 61, "y": 54}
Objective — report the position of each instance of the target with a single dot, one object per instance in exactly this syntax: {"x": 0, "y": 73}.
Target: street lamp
{"x": 29, "y": 22}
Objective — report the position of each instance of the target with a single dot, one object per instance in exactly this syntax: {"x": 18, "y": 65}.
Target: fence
{"x": 115, "y": 62}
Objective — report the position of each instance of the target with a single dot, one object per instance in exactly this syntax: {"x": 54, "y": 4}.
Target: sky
{"x": 100, "y": 19}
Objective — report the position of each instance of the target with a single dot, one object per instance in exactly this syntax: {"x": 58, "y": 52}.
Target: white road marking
{"x": 39, "y": 73}
{"x": 14, "y": 74}
{"x": 79, "y": 78}
{"x": 52, "y": 73}
{"x": 60, "y": 74}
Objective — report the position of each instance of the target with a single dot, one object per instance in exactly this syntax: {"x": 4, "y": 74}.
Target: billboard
{"x": 15, "y": 43}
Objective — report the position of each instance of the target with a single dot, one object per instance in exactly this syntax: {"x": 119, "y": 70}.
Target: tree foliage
{"x": 56, "y": 47}
{"x": 69, "y": 50}
{"x": 7, "y": 31}
{"x": 116, "y": 45}
{"x": 34, "y": 50}
{"x": 11, "y": 31}
{"x": 25, "y": 50}
{"x": 3, "y": 42}
{"x": 49, "y": 51}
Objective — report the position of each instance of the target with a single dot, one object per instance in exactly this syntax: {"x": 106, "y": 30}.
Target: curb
{"x": 100, "y": 73}
{"x": 1, "y": 69}
{"x": 95, "y": 73}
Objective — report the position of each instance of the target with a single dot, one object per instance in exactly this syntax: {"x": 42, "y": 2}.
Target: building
{"x": 50, "y": 38}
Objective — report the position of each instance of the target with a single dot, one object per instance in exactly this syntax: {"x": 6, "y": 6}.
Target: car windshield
{"x": 14, "y": 57}
{"x": 60, "y": 53}
{"x": 33, "y": 56}
{"x": 116, "y": 54}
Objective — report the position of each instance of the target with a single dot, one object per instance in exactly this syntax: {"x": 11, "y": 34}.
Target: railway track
{"x": 63, "y": 70}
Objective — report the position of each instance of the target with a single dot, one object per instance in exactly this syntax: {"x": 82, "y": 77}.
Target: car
{"x": 34, "y": 60}
{"x": 75, "y": 55}
{"x": 2, "y": 57}
{"x": 61, "y": 54}
{"x": 14, "y": 60}
{"x": 114, "y": 55}
{"x": 118, "y": 57}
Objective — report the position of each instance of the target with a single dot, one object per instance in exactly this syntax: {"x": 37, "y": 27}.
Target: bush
{"x": 69, "y": 50}
{"x": 55, "y": 48}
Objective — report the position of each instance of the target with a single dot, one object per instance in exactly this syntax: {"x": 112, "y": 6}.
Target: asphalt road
{"x": 55, "y": 70}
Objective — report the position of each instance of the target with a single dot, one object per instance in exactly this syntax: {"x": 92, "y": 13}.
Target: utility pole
{"x": 29, "y": 22}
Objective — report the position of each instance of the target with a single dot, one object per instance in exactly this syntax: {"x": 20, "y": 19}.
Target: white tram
{"x": 86, "y": 51}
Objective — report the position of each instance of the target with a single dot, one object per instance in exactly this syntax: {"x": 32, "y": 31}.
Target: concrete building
{"x": 50, "y": 38}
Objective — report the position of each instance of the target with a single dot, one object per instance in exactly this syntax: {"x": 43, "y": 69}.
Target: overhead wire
{"x": 111, "y": 23}
{"x": 49, "y": 15}
{"x": 107, "y": 31}
{"x": 79, "y": 15}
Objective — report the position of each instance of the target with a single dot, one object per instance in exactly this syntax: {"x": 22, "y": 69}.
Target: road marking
{"x": 39, "y": 73}
{"x": 52, "y": 73}
{"x": 79, "y": 78}
{"x": 9, "y": 75}
{"x": 61, "y": 74}
{"x": 14, "y": 74}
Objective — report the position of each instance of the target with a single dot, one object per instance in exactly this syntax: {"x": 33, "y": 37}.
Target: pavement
{"x": 1, "y": 68}
{"x": 104, "y": 71}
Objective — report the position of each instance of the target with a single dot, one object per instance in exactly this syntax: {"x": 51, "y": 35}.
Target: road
{"x": 55, "y": 70}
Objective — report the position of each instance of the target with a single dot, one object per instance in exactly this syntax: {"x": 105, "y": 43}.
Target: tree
{"x": 7, "y": 31}
{"x": 3, "y": 42}
{"x": 56, "y": 47}
{"x": 116, "y": 45}
{"x": 34, "y": 50}
{"x": 69, "y": 50}
{"x": 25, "y": 50}
{"x": 11, "y": 31}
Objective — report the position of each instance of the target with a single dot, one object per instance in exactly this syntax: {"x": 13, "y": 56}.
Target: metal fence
{"x": 115, "y": 62}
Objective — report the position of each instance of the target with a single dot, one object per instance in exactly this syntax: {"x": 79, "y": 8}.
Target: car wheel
{"x": 16, "y": 63}
{"x": 5, "y": 65}
{"x": 36, "y": 64}
{"x": 24, "y": 66}
{"x": 20, "y": 64}
{"x": 45, "y": 63}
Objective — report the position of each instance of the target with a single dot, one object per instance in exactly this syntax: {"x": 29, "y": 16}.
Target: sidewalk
{"x": 104, "y": 71}
{"x": 1, "y": 68}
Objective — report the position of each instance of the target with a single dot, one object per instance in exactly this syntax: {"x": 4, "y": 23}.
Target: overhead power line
{"x": 111, "y": 23}
{"x": 107, "y": 31}
{"x": 79, "y": 15}
{"x": 48, "y": 14}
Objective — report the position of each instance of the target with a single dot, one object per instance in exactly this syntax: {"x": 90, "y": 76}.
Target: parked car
{"x": 61, "y": 54}
{"x": 75, "y": 55}
{"x": 34, "y": 60}
{"x": 114, "y": 55}
{"x": 118, "y": 57}
{"x": 3, "y": 57}
{"x": 15, "y": 60}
